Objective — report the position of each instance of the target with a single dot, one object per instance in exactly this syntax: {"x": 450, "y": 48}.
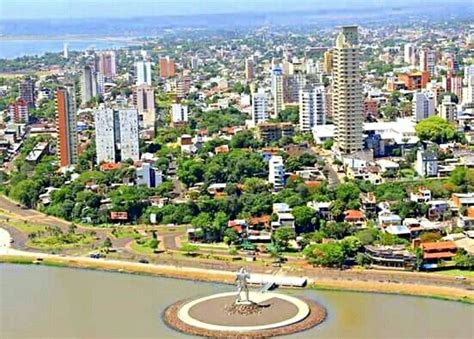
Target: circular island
{"x": 258, "y": 314}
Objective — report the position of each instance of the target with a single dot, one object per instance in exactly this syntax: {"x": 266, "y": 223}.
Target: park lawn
{"x": 407, "y": 173}
{"x": 26, "y": 227}
{"x": 141, "y": 248}
{"x": 217, "y": 246}
{"x": 457, "y": 272}
{"x": 121, "y": 233}
{"x": 58, "y": 242}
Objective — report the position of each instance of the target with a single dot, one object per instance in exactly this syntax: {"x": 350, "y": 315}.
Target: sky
{"x": 50, "y": 9}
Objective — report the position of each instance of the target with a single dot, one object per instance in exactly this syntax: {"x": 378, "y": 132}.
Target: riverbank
{"x": 221, "y": 276}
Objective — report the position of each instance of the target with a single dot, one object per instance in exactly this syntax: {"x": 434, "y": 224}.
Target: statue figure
{"x": 241, "y": 279}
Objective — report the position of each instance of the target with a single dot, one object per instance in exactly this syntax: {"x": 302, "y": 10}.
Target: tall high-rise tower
{"x": 66, "y": 124}
{"x": 27, "y": 91}
{"x": 143, "y": 73}
{"x": 107, "y": 64}
{"x": 277, "y": 90}
{"x": 116, "y": 130}
{"x": 167, "y": 67}
{"x": 259, "y": 107}
{"x": 347, "y": 92}
{"x": 249, "y": 70}
{"x": 88, "y": 84}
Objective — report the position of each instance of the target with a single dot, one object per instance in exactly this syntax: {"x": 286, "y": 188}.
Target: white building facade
{"x": 312, "y": 105}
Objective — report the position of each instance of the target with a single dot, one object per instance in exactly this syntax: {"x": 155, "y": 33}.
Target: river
{"x": 10, "y": 48}
{"x": 54, "y": 302}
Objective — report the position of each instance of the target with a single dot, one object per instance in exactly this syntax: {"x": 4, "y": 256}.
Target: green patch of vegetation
{"x": 407, "y": 173}
{"x": 141, "y": 248}
{"x": 26, "y": 227}
{"x": 146, "y": 246}
{"x": 53, "y": 238}
{"x": 457, "y": 272}
{"x": 122, "y": 233}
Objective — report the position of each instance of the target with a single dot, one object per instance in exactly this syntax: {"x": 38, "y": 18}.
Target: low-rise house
{"x": 426, "y": 163}
{"x": 398, "y": 230}
{"x": 149, "y": 176}
{"x": 45, "y": 198}
{"x": 281, "y": 208}
{"x": 285, "y": 219}
{"x": 465, "y": 222}
{"x": 368, "y": 203}
{"x": 387, "y": 218}
{"x": 390, "y": 256}
{"x": 462, "y": 200}
{"x": 356, "y": 218}
{"x": 434, "y": 252}
{"x": 221, "y": 149}
{"x": 437, "y": 209}
{"x": 462, "y": 241}
{"x": 217, "y": 189}
{"x": 323, "y": 209}
{"x": 422, "y": 195}
{"x": 38, "y": 151}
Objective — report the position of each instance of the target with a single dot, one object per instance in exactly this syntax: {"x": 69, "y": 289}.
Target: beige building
{"x": 144, "y": 101}
{"x": 249, "y": 69}
{"x": 328, "y": 62}
{"x": 447, "y": 109}
{"x": 347, "y": 92}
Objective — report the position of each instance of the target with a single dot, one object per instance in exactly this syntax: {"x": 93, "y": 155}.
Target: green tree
{"x": 189, "y": 249}
{"x": 351, "y": 245}
{"x": 107, "y": 243}
{"x": 305, "y": 218}
{"x": 327, "y": 255}
{"x": 435, "y": 129}
{"x": 282, "y": 236}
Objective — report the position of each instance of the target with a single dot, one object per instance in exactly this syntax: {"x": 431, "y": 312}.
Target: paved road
{"x": 7, "y": 205}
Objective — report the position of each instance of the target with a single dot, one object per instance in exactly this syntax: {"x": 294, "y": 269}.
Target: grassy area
{"x": 407, "y": 173}
{"x": 141, "y": 248}
{"x": 216, "y": 246}
{"x": 121, "y": 233}
{"x": 455, "y": 273}
{"x": 60, "y": 241}
{"x": 27, "y": 227}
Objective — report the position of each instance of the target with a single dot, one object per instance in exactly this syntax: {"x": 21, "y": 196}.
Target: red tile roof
{"x": 438, "y": 255}
{"x": 438, "y": 246}
{"x": 354, "y": 215}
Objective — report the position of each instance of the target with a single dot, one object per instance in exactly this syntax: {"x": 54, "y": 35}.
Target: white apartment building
{"x": 143, "y": 72}
{"x": 409, "y": 55}
{"x": 88, "y": 84}
{"x": 116, "y": 130}
{"x": 347, "y": 92}
{"x": 423, "y": 105}
{"x": 448, "y": 109}
{"x": 259, "y": 107}
{"x": 312, "y": 107}
{"x": 128, "y": 125}
{"x": 104, "y": 134}
{"x": 277, "y": 91}
{"x": 428, "y": 61}
{"x": 276, "y": 172}
{"x": 179, "y": 113}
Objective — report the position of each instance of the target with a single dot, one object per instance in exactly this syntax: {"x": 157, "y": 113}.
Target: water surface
{"x": 54, "y": 302}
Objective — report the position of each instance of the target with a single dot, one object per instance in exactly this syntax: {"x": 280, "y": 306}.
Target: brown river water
{"x": 49, "y": 302}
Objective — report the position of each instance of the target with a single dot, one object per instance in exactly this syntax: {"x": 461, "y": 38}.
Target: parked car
{"x": 143, "y": 261}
